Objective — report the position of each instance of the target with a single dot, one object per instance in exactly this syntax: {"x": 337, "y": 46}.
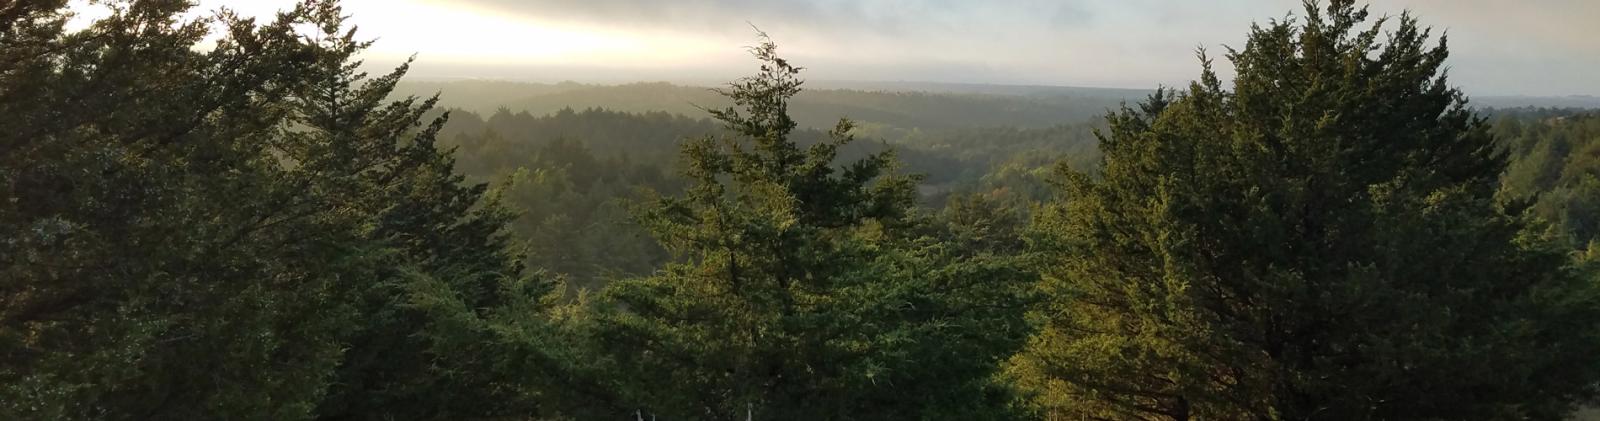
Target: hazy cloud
{"x": 1500, "y": 47}
{"x": 842, "y": 17}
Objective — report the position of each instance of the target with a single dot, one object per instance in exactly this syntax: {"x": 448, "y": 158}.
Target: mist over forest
{"x": 242, "y": 210}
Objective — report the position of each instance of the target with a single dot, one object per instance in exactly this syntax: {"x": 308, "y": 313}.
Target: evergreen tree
{"x": 804, "y": 293}
{"x": 372, "y": 158}
{"x": 224, "y": 232}
{"x": 1319, "y": 242}
{"x": 133, "y": 175}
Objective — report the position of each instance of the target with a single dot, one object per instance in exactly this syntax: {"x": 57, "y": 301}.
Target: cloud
{"x": 1070, "y": 15}
{"x": 693, "y": 15}
{"x": 847, "y": 17}
{"x": 1531, "y": 46}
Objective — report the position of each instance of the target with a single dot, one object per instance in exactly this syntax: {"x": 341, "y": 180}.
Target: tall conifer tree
{"x": 806, "y": 292}
{"x": 1320, "y": 241}
{"x": 225, "y": 232}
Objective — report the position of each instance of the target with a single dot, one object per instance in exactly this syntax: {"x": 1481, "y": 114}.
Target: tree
{"x": 223, "y": 232}
{"x": 802, "y": 294}
{"x": 131, "y": 165}
{"x": 373, "y": 159}
{"x": 1320, "y": 242}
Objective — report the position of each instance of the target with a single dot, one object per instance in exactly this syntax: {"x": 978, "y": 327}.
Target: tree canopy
{"x": 219, "y": 232}
{"x": 1321, "y": 241}
{"x": 219, "y": 217}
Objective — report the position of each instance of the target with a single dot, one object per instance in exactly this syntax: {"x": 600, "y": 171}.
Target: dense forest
{"x": 872, "y": 106}
{"x": 221, "y": 217}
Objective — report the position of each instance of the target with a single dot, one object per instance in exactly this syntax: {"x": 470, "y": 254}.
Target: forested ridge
{"x": 813, "y": 108}
{"x": 219, "y": 217}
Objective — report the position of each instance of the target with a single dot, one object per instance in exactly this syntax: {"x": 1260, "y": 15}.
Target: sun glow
{"x": 437, "y": 32}
{"x": 442, "y": 32}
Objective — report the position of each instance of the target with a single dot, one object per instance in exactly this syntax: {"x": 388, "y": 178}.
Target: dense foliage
{"x": 572, "y": 174}
{"x": 219, "y": 218}
{"x": 1320, "y": 242}
{"x": 1556, "y": 165}
{"x": 221, "y": 232}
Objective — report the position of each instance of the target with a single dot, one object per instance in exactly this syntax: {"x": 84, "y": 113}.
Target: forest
{"x": 213, "y": 216}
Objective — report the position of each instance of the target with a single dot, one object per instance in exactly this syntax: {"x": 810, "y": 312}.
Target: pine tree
{"x": 373, "y": 159}
{"x": 224, "y": 232}
{"x": 131, "y": 178}
{"x": 1319, "y": 242}
{"x": 804, "y": 293}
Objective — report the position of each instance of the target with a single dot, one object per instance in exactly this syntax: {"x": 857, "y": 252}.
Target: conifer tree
{"x": 225, "y": 232}
{"x": 139, "y": 282}
{"x": 1320, "y": 241}
{"x": 804, "y": 292}
{"x": 373, "y": 159}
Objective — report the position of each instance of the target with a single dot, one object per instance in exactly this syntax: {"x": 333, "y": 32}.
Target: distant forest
{"x": 227, "y": 218}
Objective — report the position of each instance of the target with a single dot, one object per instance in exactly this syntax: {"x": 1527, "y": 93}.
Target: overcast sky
{"x": 1499, "y": 47}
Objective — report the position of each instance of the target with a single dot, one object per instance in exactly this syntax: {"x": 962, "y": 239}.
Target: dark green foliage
{"x": 506, "y": 139}
{"x": 583, "y": 234}
{"x": 1556, "y": 166}
{"x": 380, "y": 165}
{"x": 571, "y": 172}
{"x": 130, "y": 289}
{"x": 802, "y": 296}
{"x": 222, "y": 232}
{"x": 571, "y": 204}
{"x": 255, "y": 229}
{"x": 1320, "y": 242}
{"x": 987, "y": 222}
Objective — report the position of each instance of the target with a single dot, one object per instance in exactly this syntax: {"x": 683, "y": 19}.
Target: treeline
{"x": 943, "y": 157}
{"x": 257, "y": 230}
{"x": 571, "y": 175}
{"x": 1556, "y": 166}
{"x": 813, "y": 108}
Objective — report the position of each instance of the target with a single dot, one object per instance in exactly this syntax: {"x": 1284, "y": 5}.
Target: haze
{"x": 764, "y": 210}
{"x": 1538, "y": 47}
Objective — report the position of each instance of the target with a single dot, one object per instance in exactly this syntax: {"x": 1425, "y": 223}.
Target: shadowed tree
{"x": 221, "y": 231}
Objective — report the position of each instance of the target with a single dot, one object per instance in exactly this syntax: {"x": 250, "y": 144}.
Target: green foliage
{"x": 803, "y": 294}
{"x": 386, "y": 169}
{"x": 1556, "y": 166}
{"x": 223, "y": 232}
{"x": 1320, "y": 242}
{"x": 572, "y": 207}
{"x": 582, "y": 232}
{"x": 992, "y": 221}
{"x": 206, "y": 218}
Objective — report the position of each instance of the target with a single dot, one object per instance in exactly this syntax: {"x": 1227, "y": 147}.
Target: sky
{"x": 1499, "y": 47}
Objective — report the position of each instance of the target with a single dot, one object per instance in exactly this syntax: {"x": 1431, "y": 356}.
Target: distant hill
{"x": 481, "y": 96}
{"x": 983, "y": 88}
{"x": 1571, "y": 101}
{"x": 888, "y": 110}
{"x": 891, "y": 105}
